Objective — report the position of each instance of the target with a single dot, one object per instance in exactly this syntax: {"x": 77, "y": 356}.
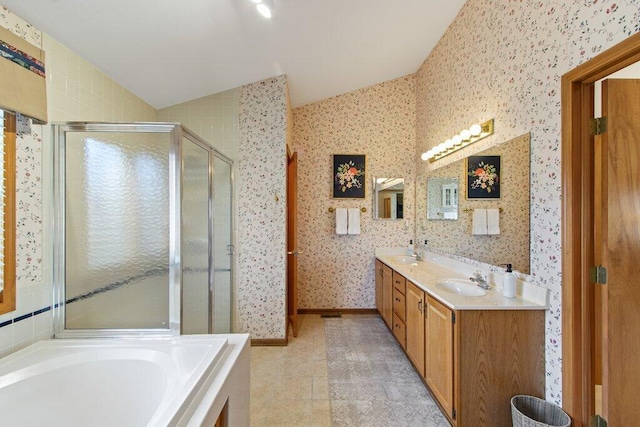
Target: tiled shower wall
{"x": 504, "y": 60}
{"x": 76, "y": 90}
{"x": 336, "y": 271}
{"x": 214, "y": 118}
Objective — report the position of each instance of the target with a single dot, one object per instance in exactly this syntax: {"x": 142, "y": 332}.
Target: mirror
{"x": 442, "y": 200}
{"x": 455, "y": 235}
{"x": 388, "y": 198}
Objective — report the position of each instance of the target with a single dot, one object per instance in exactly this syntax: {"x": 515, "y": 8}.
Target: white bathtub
{"x": 134, "y": 382}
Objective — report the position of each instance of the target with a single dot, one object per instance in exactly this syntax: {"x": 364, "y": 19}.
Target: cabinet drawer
{"x": 400, "y": 330}
{"x": 399, "y": 304}
{"x": 400, "y": 283}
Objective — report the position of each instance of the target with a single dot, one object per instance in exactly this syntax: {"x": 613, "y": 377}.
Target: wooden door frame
{"x": 577, "y": 223}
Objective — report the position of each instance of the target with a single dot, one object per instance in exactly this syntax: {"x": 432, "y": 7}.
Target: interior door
{"x": 292, "y": 243}
{"x": 617, "y": 247}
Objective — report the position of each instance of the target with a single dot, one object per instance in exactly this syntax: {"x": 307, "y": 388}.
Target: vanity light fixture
{"x": 463, "y": 139}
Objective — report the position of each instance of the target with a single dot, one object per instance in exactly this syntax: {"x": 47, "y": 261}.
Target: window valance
{"x": 22, "y": 77}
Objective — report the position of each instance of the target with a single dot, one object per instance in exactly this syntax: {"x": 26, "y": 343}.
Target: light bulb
{"x": 425, "y": 155}
{"x": 441, "y": 148}
{"x": 475, "y": 130}
{"x": 264, "y": 10}
{"x": 448, "y": 144}
{"x": 465, "y": 135}
{"x": 457, "y": 140}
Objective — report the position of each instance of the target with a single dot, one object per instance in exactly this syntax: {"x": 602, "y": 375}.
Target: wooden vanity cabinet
{"x": 473, "y": 361}
{"x": 497, "y": 355}
{"x": 414, "y": 322}
{"x": 387, "y": 295}
{"x": 438, "y": 339}
{"x": 399, "y": 308}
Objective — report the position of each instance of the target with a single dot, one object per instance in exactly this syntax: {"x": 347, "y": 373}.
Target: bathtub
{"x": 181, "y": 381}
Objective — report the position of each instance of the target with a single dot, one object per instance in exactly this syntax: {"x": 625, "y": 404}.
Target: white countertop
{"x": 427, "y": 272}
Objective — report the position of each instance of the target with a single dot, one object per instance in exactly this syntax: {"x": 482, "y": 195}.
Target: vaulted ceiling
{"x": 171, "y": 51}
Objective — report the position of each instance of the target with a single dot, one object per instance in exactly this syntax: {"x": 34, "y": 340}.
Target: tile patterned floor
{"x": 371, "y": 381}
{"x": 290, "y": 385}
{"x": 345, "y": 371}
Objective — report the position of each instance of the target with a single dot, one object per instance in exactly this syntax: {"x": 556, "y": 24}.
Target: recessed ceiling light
{"x": 264, "y": 10}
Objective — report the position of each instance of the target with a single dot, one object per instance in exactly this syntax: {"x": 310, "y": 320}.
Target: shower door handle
{"x": 231, "y": 250}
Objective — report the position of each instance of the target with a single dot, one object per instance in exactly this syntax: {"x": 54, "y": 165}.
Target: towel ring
{"x": 332, "y": 209}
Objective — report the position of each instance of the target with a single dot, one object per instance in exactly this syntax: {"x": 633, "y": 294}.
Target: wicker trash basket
{"x": 529, "y": 411}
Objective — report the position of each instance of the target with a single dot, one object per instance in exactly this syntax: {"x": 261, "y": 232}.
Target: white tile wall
{"x": 76, "y": 91}
{"x": 214, "y": 118}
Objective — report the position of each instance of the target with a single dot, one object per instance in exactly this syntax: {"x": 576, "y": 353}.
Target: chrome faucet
{"x": 480, "y": 281}
{"x": 416, "y": 255}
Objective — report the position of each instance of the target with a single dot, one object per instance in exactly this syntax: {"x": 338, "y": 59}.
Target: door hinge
{"x": 598, "y": 421}
{"x": 598, "y": 126}
{"x": 453, "y": 318}
{"x": 599, "y": 275}
{"x": 453, "y": 414}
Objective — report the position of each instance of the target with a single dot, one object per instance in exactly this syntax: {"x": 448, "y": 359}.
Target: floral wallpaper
{"x": 512, "y": 244}
{"x": 336, "y": 271}
{"x": 503, "y": 60}
{"x": 29, "y": 175}
{"x": 261, "y": 208}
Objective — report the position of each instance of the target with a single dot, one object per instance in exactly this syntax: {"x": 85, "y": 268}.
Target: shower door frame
{"x": 176, "y": 131}
{"x": 213, "y": 153}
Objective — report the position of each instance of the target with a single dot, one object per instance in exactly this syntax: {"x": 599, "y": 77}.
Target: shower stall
{"x": 143, "y": 231}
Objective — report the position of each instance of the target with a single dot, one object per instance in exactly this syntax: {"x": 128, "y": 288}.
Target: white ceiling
{"x": 172, "y": 51}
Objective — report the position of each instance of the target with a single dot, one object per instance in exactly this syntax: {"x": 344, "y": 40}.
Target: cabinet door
{"x": 379, "y": 286}
{"x": 439, "y": 353}
{"x": 415, "y": 326}
{"x": 387, "y": 295}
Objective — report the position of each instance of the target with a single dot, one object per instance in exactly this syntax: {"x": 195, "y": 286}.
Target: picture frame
{"x": 483, "y": 177}
{"x": 349, "y": 176}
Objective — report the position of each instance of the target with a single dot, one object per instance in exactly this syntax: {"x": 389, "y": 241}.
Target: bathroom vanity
{"x": 473, "y": 348}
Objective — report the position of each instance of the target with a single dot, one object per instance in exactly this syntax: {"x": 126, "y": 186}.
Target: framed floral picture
{"x": 483, "y": 177}
{"x": 349, "y": 176}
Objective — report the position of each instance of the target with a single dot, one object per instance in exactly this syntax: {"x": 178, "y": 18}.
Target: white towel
{"x": 341, "y": 221}
{"x": 493, "y": 221}
{"x": 354, "y": 221}
{"x": 479, "y": 226}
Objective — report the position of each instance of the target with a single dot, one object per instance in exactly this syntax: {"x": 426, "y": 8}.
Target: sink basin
{"x": 460, "y": 287}
{"x": 407, "y": 260}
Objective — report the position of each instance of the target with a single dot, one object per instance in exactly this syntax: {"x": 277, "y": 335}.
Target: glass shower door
{"x": 116, "y": 230}
{"x": 142, "y": 231}
{"x": 195, "y": 239}
{"x": 223, "y": 246}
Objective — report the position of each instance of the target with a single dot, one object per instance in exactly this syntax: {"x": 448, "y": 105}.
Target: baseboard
{"x": 337, "y": 310}
{"x": 257, "y": 342}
